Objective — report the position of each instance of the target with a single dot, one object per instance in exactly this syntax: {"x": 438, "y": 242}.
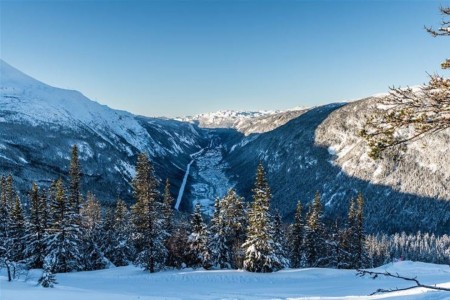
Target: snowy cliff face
{"x": 39, "y": 124}
{"x": 246, "y": 122}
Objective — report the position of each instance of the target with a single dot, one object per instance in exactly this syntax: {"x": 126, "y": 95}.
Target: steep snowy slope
{"x": 40, "y": 123}
{"x": 320, "y": 151}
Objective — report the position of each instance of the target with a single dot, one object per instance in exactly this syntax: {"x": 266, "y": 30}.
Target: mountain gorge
{"x": 304, "y": 150}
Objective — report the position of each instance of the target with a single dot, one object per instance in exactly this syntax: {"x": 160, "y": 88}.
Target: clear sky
{"x": 177, "y": 58}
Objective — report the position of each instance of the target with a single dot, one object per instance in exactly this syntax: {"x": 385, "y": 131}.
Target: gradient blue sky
{"x": 176, "y": 58}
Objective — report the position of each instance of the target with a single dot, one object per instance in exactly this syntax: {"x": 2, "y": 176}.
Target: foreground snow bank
{"x": 132, "y": 283}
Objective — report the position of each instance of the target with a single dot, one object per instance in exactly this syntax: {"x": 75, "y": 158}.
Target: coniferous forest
{"x": 60, "y": 230}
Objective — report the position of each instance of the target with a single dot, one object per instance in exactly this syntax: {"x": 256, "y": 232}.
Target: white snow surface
{"x": 132, "y": 283}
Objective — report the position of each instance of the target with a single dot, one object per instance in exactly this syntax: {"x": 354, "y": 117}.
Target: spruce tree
{"x": 16, "y": 240}
{"x": 260, "y": 254}
{"x": 234, "y": 221}
{"x": 167, "y": 209}
{"x": 35, "y": 232}
{"x": 74, "y": 176}
{"x": 4, "y": 217}
{"x": 63, "y": 242}
{"x": 296, "y": 232}
{"x": 149, "y": 234}
{"x": 279, "y": 240}
{"x": 92, "y": 223}
{"x": 198, "y": 252}
{"x": 218, "y": 243}
{"x": 120, "y": 249}
{"x": 315, "y": 246}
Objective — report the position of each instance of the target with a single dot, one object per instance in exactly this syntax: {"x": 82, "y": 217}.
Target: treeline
{"x": 61, "y": 231}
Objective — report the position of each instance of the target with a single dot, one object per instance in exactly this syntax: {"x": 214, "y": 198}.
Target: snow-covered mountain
{"x": 247, "y": 122}
{"x": 304, "y": 150}
{"x": 40, "y": 123}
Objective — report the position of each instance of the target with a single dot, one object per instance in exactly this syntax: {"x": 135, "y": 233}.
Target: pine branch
{"x": 417, "y": 283}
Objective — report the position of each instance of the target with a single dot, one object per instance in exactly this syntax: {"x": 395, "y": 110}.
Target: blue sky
{"x": 176, "y": 58}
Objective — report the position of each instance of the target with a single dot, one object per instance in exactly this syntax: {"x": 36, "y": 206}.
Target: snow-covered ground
{"x": 132, "y": 283}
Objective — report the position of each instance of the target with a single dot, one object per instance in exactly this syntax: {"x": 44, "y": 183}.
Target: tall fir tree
{"x": 260, "y": 254}
{"x": 74, "y": 177}
{"x": 16, "y": 240}
{"x": 4, "y": 217}
{"x": 119, "y": 249}
{"x": 64, "y": 236}
{"x": 198, "y": 252}
{"x": 234, "y": 220}
{"x": 149, "y": 233}
{"x": 94, "y": 258}
{"x": 315, "y": 246}
{"x": 296, "y": 232}
{"x": 36, "y": 228}
{"x": 218, "y": 243}
{"x": 167, "y": 209}
{"x": 280, "y": 240}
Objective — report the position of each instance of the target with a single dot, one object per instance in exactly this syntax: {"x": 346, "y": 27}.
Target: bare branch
{"x": 417, "y": 283}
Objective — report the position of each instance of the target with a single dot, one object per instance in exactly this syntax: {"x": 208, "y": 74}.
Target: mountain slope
{"x": 40, "y": 123}
{"x": 321, "y": 151}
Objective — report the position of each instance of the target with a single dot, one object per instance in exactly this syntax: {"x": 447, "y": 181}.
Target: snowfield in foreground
{"x": 133, "y": 283}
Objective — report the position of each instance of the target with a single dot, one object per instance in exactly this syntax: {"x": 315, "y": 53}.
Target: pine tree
{"x": 4, "y": 217}
{"x": 315, "y": 247}
{"x": 16, "y": 239}
{"x": 260, "y": 254}
{"x": 35, "y": 233}
{"x": 296, "y": 232}
{"x": 63, "y": 243}
{"x": 120, "y": 249}
{"x": 218, "y": 243}
{"x": 198, "y": 252}
{"x": 74, "y": 175}
{"x": 167, "y": 209}
{"x": 359, "y": 235}
{"x": 234, "y": 221}
{"x": 149, "y": 234}
{"x": 94, "y": 258}
{"x": 280, "y": 240}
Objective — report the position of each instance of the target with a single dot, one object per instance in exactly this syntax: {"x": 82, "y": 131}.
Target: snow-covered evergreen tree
{"x": 260, "y": 255}
{"x": 121, "y": 250}
{"x": 148, "y": 221}
{"x": 16, "y": 237}
{"x": 167, "y": 209}
{"x": 218, "y": 243}
{"x": 234, "y": 220}
{"x": 296, "y": 232}
{"x": 35, "y": 232}
{"x": 315, "y": 246}
{"x": 93, "y": 257}
{"x": 64, "y": 236}
{"x": 280, "y": 240}
{"x": 197, "y": 251}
